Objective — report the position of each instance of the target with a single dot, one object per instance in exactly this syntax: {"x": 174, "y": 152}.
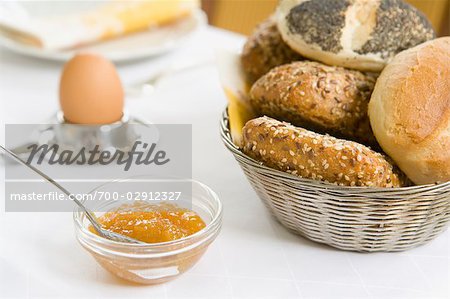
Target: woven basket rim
{"x": 226, "y": 138}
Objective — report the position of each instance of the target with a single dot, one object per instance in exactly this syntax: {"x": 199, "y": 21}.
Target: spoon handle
{"x": 88, "y": 213}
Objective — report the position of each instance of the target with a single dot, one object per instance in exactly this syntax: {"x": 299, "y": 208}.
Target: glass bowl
{"x": 152, "y": 263}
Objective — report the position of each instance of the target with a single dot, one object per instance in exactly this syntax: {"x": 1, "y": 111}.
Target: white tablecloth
{"x": 254, "y": 257}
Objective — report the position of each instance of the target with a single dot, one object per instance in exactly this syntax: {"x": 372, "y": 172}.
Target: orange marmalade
{"x": 151, "y": 223}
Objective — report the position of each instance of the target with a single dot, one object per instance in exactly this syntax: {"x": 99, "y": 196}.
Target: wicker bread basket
{"x": 348, "y": 218}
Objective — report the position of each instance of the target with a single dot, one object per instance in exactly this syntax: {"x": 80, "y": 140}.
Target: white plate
{"x": 144, "y": 44}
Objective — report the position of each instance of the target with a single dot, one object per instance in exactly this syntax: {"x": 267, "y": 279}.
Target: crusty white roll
{"x": 358, "y": 34}
{"x": 409, "y": 111}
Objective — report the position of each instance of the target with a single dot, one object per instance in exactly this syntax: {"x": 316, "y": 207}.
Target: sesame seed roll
{"x": 318, "y": 97}
{"x": 310, "y": 155}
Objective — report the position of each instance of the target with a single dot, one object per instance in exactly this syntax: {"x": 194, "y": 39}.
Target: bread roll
{"x": 320, "y": 157}
{"x": 264, "y": 50}
{"x": 318, "y": 97}
{"x": 358, "y": 34}
{"x": 410, "y": 111}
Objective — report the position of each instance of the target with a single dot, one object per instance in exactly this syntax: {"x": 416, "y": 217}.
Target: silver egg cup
{"x": 120, "y": 135}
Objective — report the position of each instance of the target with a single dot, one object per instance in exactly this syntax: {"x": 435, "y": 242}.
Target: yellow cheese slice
{"x": 239, "y": 113}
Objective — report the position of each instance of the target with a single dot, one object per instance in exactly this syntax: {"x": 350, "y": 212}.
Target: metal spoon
{"x": 89, "y": 214}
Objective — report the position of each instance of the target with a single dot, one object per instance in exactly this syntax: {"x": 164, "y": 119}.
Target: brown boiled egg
{"x": 90, "y": 91}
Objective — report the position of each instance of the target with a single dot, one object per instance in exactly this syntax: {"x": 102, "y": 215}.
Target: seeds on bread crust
{"x": 320, "y": 157}
{"x": 357, "y": 34}
{"x": 264, "y": 50}
{"x": 322, "y": 98}
{"x": 388, "y": 38}
{"x": 323, "y": 22}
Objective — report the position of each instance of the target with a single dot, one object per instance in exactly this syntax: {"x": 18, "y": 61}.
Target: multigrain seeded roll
{"x": 310, "y": 155}
{"x": 315, "y": 96}
{"x": 358, "y": 34}
{"x": 264, "y": 50}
